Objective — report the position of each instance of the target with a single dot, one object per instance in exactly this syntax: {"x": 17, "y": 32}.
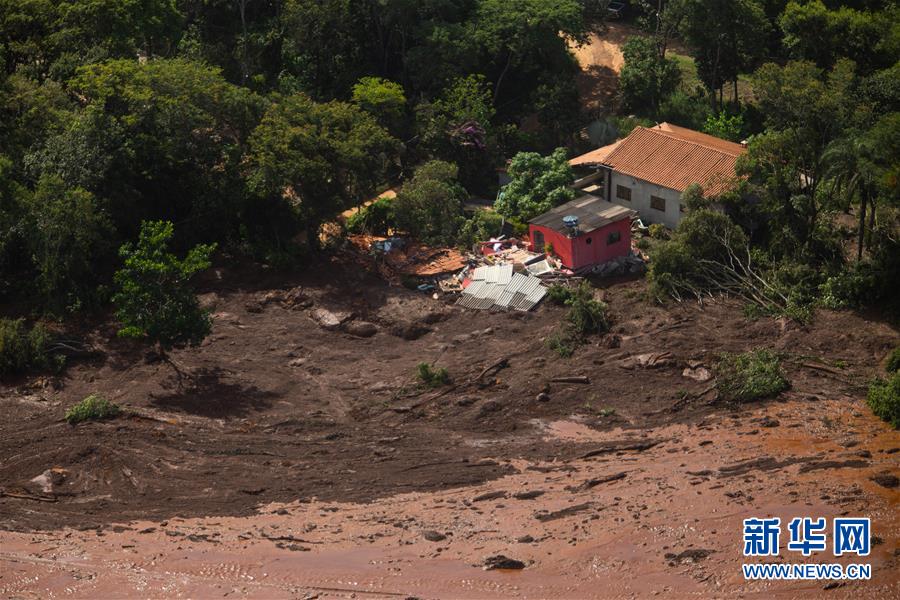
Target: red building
{"x": 584, "y": 232}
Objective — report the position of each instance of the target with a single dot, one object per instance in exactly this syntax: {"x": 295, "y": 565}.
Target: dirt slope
{"x": 285, "y": 411}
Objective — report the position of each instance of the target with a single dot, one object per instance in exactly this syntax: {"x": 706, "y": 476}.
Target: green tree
{"x": 322, "y": 158}
{"x": 430, "y": 205}
{"x": 725, "y": 126}
{"x": 814, "y": 32}
{"x": 728, "y": 39}
{"x": 383, "y": 99}
{"x": 155, "y": 302}
{"x": 514, "y": 33}
{"x": 646, "y": 78}
{"x": 67, "y": 233}
{"x": 537, "y": 184}
{"x": 806, "y": 110}
{"x": 165, "y": 139}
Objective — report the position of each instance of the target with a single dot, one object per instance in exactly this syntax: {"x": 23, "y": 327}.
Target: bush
{"x": 559, "y": 294}
{"x": 92, "y": 408}
{"x": 586, "y": 315}
{"x": 893, "y": 361}
{"x": 23, "y": 350}
{"x": 750, "y": 375}
{"x": 563, "y": 343}
{"x": 375, "y": 219}
{"x": 658, "y": 231}
{"x": 432, "y": 377}
{"x": 884, "y": 399}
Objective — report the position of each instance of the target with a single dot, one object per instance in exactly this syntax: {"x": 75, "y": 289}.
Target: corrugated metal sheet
{"x": 519, "y": 292}
{"x": 671, "y": 156}
{"x": 494, "y": 273}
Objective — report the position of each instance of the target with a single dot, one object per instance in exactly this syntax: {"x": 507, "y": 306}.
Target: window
{"x": 658, "y": 203}
{"x": 588, "y": 241}
{"x": 614, "y": 237}
{"x": 537, "y": 241}
{"x": 623, "y": 193}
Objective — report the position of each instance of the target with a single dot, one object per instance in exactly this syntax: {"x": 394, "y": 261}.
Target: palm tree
{"x": 850, "y": 163}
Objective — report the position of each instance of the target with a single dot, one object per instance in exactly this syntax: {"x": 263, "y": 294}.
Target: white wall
{"x": 640, "y": 200}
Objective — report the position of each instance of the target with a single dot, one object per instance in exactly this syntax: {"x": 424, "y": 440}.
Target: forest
{"x": 249, "y": 123}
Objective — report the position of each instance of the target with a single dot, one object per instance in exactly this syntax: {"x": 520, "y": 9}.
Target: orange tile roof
{"x": 672, "y": 157}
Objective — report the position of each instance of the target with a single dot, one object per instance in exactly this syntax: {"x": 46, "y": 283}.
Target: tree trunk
{"x": 737, "y": 102}
{"x": 863, "y": 200}
{"x": 500, "y": 79}
{"x": 871, "y": 230}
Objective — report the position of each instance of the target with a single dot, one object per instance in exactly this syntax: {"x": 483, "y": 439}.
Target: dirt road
{"x": 304, "y": 460}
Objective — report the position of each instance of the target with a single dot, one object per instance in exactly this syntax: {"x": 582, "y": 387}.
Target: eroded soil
{"x": 300, "y": 460}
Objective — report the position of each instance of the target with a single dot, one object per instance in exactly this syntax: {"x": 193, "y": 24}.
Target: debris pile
{"x": 499, "y": 287}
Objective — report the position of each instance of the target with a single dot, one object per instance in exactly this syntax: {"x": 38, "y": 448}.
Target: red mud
{"x": 304, "y": 461}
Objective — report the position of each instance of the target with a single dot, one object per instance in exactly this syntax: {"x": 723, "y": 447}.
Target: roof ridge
{"x": 674, "y": 135}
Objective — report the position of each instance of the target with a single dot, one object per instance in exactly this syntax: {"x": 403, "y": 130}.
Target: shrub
{"x": 22, "y": 349}
{"x": 893, "y": 361}
{"x": 586, "y": 315}
{"x": 750, "y": 375}
{"x": 432, "y": 377}
{"x": 658, "y": 231}
{"x": 563, "y": 343}
{"x": 375, "y": 219}
{"x": 559, "y": 294}
{"x": 92, "y": 408}
{"x": 884, "y": 399}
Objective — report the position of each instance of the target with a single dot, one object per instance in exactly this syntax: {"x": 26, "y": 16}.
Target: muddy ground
{"x": 301, "y": 459}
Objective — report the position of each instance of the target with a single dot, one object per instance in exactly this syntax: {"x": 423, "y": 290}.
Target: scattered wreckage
{"x": 499, "y": 274}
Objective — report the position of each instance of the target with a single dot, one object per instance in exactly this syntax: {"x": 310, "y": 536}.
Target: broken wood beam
{"x": 572, "y": 379}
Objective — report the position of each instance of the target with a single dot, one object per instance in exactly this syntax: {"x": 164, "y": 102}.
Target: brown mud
{"x": 299, "y": 459}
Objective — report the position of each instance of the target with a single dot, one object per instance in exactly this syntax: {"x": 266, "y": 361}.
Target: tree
{"x": 805, "y": 110}
{"x": 170, "y": 136}
{"x": 383, "y": 99}
{"x": 725, "y": 126}
{"x": 646, "y": 77}
{"x": 814, "y": 32}
{"x": 430, "y": 205}
{"x": 513, "y": 33}
{"x": 728, "y": 37}
{"x": 538, "y": 183}
{"x": 458, "y": 128}
{"x": 322, "y": 158}
{"x": 67, "y": 233}
{"x": 155, "y": 302}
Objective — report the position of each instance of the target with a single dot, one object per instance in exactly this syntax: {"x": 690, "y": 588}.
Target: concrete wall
{"x": 588, "y": 248}
{"x": 640, "y": 200}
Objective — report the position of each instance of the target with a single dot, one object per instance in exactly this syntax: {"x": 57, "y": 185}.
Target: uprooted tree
{"x": 155, "y": 302}
{"x": 707, "y": 255}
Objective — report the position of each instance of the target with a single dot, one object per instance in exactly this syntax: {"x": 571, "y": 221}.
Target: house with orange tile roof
{"x": 648, "y": 170}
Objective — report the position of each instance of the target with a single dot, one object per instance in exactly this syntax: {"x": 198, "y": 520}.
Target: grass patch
{"x": 750, "y": 375}
{"x": 884, "y": 399}
{"x": 432, "y": 376}
{"x": 92, "y": 408}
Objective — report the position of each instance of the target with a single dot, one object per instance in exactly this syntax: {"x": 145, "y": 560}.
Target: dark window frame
{"x": 613, "y": 234}
{"x": 623, "y": 188}
{"x": 653, "y": 200}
